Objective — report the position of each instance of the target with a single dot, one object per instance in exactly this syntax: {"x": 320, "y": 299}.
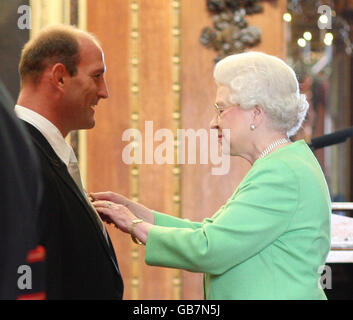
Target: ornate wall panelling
{"x": 134, "y": 123}
{"x": 176, "y": 115}
{"x": 157, "y": 70}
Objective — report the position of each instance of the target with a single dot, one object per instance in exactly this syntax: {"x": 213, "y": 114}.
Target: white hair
{"x": 256, "y": 78}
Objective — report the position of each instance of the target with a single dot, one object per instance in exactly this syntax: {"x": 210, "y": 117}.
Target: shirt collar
{"x": 63, "y": 150}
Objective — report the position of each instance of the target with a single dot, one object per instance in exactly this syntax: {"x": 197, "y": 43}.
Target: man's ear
{"x": 59, "y": 76}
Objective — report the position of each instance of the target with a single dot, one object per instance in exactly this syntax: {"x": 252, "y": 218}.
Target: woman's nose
{"x": 214, "y": 122}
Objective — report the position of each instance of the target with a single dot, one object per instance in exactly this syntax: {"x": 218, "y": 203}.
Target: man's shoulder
{"x": 42, "y": 146}
{"x": 35, "y": 134}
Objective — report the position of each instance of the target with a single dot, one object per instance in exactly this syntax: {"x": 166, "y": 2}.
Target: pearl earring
{"x": 252, "y": 127}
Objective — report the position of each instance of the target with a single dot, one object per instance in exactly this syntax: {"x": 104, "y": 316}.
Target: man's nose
{"x": 103, "y": 92}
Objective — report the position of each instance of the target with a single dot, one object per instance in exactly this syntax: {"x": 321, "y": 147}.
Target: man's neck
{"x": 38, "y": 103}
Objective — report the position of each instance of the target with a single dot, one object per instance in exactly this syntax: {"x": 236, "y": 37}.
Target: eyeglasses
{"x": 219, "y": 110}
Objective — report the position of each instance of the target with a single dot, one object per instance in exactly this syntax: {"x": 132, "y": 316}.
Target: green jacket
{"x": 267, "y": 242}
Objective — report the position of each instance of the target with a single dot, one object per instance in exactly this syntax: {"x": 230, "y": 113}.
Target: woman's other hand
{"x": 136, "y": 209}
{"x": 123, "y": 218}
{"x": 120, "y": 215}
{"x": 110, "y": 196}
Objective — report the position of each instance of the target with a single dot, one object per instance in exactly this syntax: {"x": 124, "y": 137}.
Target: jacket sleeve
{"x": 256, "y": 215}
{"x": 165, "y": 220}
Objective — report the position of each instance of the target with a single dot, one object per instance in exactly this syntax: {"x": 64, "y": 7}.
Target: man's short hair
{"x": 54, "y": 44}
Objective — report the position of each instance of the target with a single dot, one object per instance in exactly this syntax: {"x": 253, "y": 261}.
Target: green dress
{"x": 267, "y": 242}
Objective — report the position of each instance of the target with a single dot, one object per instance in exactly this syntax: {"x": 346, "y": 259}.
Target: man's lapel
{"x": 60, "y": 168}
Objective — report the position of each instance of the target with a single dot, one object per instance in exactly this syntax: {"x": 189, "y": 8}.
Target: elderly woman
{"x": 270, "y": 238}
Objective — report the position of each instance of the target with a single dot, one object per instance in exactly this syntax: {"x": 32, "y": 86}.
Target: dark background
{"x": 12, "y": 40}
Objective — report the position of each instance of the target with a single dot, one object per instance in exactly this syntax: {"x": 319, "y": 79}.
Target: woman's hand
{"x": 111, "y": 196}
{"x": 122, "y": 217}
{"x": 138, "y": 210}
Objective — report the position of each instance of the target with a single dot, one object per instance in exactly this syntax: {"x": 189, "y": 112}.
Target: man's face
{"x": 85, "y": 88}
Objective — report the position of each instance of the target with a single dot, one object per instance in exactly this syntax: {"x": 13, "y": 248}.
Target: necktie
{"x": 74, "y": 171}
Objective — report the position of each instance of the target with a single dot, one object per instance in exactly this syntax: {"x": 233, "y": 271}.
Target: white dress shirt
{"x": 56, "y": 140}
{"x": 62, "y": 149}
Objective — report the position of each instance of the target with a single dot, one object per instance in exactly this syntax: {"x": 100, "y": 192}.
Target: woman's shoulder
{"x": 293, "y": 164}
{"x": 291, "y": 157}
{"x": 273, "y": 174}
{"x": 282, "y": 165}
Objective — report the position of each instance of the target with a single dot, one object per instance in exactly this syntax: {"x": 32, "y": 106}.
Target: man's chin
{"x": 91, "y": 125}
{"x": 88, "y": 125}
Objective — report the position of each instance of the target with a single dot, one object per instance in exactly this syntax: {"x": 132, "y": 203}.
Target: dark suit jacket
{"x": 19, "y": 203}
{"x": 80, "y": 263}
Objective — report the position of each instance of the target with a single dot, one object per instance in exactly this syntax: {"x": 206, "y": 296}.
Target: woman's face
{"x": 233, "y": 118}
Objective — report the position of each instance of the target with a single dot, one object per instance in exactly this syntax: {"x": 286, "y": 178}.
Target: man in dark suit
{"x": 20, "y": 194}
{"x": 62, "y": 79}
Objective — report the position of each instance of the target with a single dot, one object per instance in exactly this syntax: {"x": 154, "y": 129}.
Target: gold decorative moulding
{"x": 231, "y": 32}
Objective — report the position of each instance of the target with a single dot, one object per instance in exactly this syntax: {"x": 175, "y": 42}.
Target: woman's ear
{"x": 258, "y": 115}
